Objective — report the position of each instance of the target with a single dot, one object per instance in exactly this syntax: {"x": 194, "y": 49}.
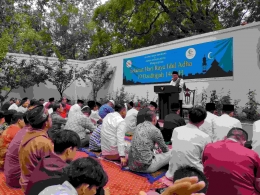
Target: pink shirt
{"x": 230, "y": 168}
{"x": 12, "y": 169}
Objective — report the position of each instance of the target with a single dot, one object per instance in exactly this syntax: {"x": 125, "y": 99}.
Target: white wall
{"x": 246, "y": 53}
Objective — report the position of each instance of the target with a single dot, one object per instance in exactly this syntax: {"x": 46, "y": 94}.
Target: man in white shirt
{"x": 131, "y": 118}
{"x": 14, "y": 106}
{"x": 134, "y": 110}
{"x": 188, "y": 143}
{"x": 178, "y": 82}
{"x": 94, "y": 116}
{"x": 113, "y": 135}
{"x": 223, "y": 124}
{"x": 76, "y": 108}
{"x": 207, "y": 126}
{"x": 256, "y": 137}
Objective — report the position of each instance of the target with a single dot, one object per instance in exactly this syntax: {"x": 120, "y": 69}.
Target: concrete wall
{"x": 246, "y": 53}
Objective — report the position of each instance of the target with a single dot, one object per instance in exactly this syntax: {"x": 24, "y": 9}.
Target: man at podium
{"x": 178, "y": 82}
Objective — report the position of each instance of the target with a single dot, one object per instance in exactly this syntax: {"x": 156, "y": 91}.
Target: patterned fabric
{"x": 65, "y": 189}
{"x": 80, "y": 124}
{"x": 141, "y": 151}
{"x": 95, "y": 139}
{"x": 104, "y": 110}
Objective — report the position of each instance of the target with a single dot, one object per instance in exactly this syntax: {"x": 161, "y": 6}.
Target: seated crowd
{"x": 39, "y": 140}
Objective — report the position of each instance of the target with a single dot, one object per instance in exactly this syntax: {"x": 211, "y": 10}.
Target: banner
{"x": 202, "y": 61}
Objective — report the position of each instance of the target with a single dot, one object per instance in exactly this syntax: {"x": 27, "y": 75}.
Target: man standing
{"x": 207, "y": 126}
{"x": 171, "y": 121}
{"x": 222, "y": 124}
{"x": 188, "y": 143}
{"x": 178, "y": 82}
{"x": 230, "y": 166}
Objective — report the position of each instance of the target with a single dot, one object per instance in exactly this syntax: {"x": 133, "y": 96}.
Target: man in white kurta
{"x": 76, "y": 108}
{"x": 113, "y": 135}
{"x": 223, "y": 124}
{"x": 131, "y": 118}
{"x": 256, "y": 137}
{"x": 207, "y": 126}
{"x": 14, "y": 106}
{"x": 178, "y": 82}
{"x": 188, "y": 143}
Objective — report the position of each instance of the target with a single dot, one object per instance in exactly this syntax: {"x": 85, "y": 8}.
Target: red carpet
{"x": 120, "y": 182}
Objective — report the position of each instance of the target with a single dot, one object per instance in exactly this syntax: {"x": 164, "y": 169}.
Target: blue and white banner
{"x": 202, "y": 61}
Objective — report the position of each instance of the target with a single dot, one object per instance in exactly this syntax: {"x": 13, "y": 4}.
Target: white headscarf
{"x": 74, "y": 109}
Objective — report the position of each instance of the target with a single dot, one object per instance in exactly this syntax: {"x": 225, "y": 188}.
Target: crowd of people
{"x": 39, "y": 140}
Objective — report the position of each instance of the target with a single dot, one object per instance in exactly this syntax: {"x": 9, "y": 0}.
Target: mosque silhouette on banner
{"x": 214, "y": 71}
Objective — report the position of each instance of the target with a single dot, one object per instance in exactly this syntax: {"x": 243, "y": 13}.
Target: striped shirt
{"x": 95, "y": 139}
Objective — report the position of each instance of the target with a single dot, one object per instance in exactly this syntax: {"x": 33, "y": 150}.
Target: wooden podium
{"x": 167, "y": 95}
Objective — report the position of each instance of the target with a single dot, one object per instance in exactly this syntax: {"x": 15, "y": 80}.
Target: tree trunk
{"x": 61, "y": 94}
{"x": 94, "y": 95}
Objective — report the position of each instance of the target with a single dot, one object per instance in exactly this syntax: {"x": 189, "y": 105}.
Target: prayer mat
{"x": 126, "y": 183}
{"x": 90, "y": 153}
{"x": 80, "y": 155}
{"x": 5, "y": 189}
{"x": 152, "y": 177}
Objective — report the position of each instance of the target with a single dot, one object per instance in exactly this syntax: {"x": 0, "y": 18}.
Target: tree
{"x": 62, "y": 75}
{"x": 63, "y": 26}
{"x": 123, "y": 25}
{"x": 16, "y": 30}
{"x": 23, "y": 74}
{"x": 98, "y": 74}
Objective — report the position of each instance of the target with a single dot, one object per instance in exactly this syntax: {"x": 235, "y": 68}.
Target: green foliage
{"x": 121, "y": 96}
{"x": 98, "y": 74}
{"x": 62, "y": 75}
{"x": 251, "y": 106}
{"x": 25, "y": 74}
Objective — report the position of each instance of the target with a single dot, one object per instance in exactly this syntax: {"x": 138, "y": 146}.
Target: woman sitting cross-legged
{"x": 141, "y": 155}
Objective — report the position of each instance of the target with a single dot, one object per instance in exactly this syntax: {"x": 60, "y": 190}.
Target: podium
{"x": 167, "y": 95}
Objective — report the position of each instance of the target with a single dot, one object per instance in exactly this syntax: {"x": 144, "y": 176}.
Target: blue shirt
{"x": 104, "y": 110}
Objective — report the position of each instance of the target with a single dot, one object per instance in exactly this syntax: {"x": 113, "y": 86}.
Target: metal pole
{"x": 74, "y": 76}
